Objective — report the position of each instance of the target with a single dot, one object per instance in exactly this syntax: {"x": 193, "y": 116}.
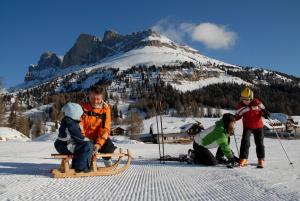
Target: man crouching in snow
{"x": 96, "y": 122}
{"x": 213, "y": 137}
{"x": 71, "y": 141}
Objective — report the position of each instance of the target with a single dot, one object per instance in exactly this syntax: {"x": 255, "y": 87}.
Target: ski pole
{"x": 162, "y": 132}
{"x": 237, "y": 149}
{"x": 158, "y": 136}
{"x": 291, "y": 163}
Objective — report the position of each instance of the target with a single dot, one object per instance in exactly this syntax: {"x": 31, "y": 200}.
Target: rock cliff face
{"x": 87, "y": 49}
{"x": 111, "y": 38}
{"x": 49, "y": 59}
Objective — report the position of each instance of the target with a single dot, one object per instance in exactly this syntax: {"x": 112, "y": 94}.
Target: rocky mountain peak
{"x": 111, "y": 34}
{"x": 48, "y": 59}
{"x": 87, "y": 49}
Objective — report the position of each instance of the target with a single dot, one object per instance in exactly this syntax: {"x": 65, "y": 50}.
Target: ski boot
{"x": 243, "y": 162}
{"x": 261, "y": 163}
{"x": 190, "y": 156}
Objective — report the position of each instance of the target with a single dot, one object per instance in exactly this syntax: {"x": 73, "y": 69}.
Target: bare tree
{"x": 23, "y": 125}
{"x": 2, "y": 112}
{"x": 135, "y": 123}
{"x": 38, "y": 128}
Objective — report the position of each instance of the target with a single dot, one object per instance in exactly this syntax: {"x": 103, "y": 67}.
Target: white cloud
{"x": 213, "y": 36}
{"x": 168, "y": 29}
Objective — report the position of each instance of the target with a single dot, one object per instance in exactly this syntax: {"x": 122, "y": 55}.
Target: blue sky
{"x": 261, "y": 33}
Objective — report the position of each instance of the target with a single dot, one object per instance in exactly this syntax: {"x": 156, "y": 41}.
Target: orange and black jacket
{"x": 95, "y": 122}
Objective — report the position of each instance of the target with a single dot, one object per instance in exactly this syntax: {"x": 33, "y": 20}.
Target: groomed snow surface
{"x": 25, "y": 175}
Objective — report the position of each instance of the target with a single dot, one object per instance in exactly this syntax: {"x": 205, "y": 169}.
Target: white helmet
{"x": 72, "y": 110}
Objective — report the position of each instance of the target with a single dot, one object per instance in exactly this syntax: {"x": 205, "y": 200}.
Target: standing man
{"x": 96, "y": 122}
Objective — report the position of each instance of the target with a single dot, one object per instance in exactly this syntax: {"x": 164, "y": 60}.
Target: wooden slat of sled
{"x": 98, "y": 155}
{"x": 64, "y": 171}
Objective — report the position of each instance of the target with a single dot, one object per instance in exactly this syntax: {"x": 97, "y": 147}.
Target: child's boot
{"x": 261, "y": 163}
{"x": 243, "y": 162}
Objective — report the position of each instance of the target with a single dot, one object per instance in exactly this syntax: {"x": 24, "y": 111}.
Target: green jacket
{"x": 213, "y": 137}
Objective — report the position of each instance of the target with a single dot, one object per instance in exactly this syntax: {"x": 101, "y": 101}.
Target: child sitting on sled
{"x": 70, "y": 139}
{"x": 213, "y": 137}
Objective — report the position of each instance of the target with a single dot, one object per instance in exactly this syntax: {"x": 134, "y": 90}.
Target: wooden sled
{"x": 65, "y": 171}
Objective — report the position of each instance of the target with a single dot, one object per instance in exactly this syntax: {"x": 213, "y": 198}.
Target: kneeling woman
{"x": 213, "y": 137}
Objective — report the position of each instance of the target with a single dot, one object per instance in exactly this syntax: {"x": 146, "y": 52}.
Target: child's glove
{"x": 266, "y": 114}
{"x": 86, "y": 139}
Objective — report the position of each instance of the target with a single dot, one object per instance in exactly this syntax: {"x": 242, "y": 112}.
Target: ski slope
{"x": 25, "y": 175}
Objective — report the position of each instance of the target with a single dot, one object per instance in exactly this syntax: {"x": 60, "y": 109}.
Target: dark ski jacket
{"x": 70, "y": 133}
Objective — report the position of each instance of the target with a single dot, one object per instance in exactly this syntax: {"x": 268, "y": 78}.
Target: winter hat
{"x": 72, "y": 110}
{"x": 247, "y": 93}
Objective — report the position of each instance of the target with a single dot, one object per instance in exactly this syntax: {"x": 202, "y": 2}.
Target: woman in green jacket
{"x": 213, "y": 137}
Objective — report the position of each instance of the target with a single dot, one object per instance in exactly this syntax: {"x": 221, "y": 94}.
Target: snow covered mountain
{"x": 92, "y": 60}
{"x": 90, "y": 54}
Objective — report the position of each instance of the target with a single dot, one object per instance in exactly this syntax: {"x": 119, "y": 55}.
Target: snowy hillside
{"x": 190, "y": 86}
{"x": 9, "y": 134}
{"x": 39, "y": 111}
{"x": 145, "y": 56}
{"x": 25, "y": 175}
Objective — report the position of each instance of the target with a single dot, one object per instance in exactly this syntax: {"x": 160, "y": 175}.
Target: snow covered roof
{"x": 280, "y": 117}
{"x": 273, "y": 124}
{"x": 171, "y": 125}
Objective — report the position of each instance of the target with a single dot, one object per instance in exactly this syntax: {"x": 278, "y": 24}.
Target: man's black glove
{"x": 266, "y": 114}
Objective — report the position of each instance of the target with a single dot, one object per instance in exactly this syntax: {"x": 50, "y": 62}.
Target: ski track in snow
{"x": 146, "y": 180}
{"x": 25, "y": 175}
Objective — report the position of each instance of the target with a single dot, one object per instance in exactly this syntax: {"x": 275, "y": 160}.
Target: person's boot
{"x": 191, "y": 156}
{"x": 243, "y": 162}
{"x": 261, "y": 163}
{"x": 107, "y": 163}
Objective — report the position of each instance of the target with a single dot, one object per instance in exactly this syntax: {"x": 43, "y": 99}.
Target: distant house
{"x": 175, "y": 133}
{"x": 117, "y": 131}
{"x": 292, "y": 127}
{"x": 282, "y": 124}
{"x": 274, "y": 125}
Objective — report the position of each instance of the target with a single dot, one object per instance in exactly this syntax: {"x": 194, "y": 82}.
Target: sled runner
{"x": 65, "y": 170}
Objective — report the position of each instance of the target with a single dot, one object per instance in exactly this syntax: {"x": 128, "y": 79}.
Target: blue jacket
{"x": 70, "y": 133}
{"x": 71, "y": 141}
